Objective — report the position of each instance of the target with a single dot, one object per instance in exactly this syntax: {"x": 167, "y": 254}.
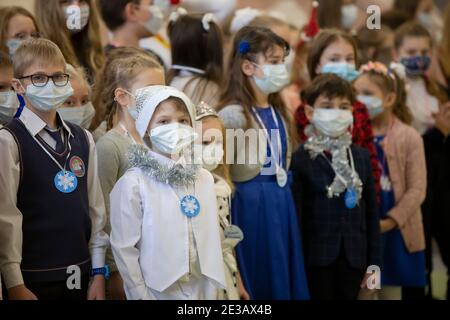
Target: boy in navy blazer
{"x": 335, "y": 195}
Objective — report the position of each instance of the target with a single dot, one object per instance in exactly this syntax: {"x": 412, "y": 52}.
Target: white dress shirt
{"x": 161, "y": 253}
{"x": 10, "y": 215}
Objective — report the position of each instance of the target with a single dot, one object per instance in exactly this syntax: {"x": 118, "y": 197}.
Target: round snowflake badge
{"x": 65, "y": 181}
{"x": 190, "y": 206}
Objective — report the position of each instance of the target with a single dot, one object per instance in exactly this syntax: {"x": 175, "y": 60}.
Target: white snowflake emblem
{"x": 190, "y": 206}
{"x": 65, "y": 181}
{"x": 385, "y": 183}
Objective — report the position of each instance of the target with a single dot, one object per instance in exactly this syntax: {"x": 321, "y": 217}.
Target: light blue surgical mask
{"x": 275, "y": 78}
{"x": 13, "y": 45}
{"x": 374, "y": 105}
{"x": 344, "y": 70}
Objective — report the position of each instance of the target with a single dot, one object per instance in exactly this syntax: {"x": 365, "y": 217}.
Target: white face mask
{"x": 426, "y": 20}
{"x": 164, "y": 6}
{"x": 83, "y": 19}
{"x": 8, "y": 103}
{"x": 48, "y": 98}
{"x": 332, "y": 122}
{"x": 81, "y": 116}
{"x": 212, "y": 155}
{"x": 275, "y": 78}
{"x": 349, "y": 14}
{"x": 172, "y": 138}
{"x": 156, "y": 21}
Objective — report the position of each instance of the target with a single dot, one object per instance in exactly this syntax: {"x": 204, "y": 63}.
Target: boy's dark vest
{"x": 56, "y": 226}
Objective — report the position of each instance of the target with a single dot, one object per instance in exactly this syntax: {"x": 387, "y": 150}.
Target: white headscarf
{"x": 148, "y": 98}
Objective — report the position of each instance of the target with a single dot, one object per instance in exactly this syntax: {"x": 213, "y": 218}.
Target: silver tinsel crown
{"x": 205, "y": 110}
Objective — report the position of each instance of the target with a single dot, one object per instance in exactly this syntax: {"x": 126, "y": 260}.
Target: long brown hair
{"x": 193, "y": 46}
{"x": 323, "y": 40}
{"x": 238, "y": 89}
{"x": 81, "y": 49}
{"x": 120, "y": 70}
{"x": 6, "y": 14}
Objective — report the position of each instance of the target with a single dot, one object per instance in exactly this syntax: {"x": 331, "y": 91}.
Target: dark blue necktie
{"x": 57, "y": 136}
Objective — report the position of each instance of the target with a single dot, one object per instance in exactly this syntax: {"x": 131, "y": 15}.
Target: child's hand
{"x": 243, "y": 294}
{"x": 20, "y": 293}
{"x": 97, "y": 289}
{"x": 442, "y": 119}
{"x": 387, "y": 225}
{"x": 116, "y": 287}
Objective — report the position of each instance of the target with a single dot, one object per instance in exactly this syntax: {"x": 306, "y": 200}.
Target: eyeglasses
{"x": 26, "y": 36}
{"x": 41, "y": 80}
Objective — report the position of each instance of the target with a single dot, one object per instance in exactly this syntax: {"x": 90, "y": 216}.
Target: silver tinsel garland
{"x": 338, "y": 147}
{"x": 175, "y": 175}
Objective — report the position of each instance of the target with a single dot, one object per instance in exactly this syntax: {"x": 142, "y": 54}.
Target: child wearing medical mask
{"x": 401, "y": 159}
{"x": 212, "y": 133}
{"x": 199, "y": 74}
{"x": 123, "y": 78}
{"x": 18, "y": 25}
{"x": 56, "y": 162}
{"x": 8, "y": 98}
{"x": 263, "y": 206}
{"x": 334, "y": 51}
{"x": 130, "y": 21}
{"x": 74, "y": 25}
{"x": 413, "y": 45}
{"x": 335, "y": 194}
{"x": 78, "y": 108}
{"x": 165, "y": 229}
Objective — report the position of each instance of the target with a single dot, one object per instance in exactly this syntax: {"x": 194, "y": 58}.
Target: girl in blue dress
{"x": 403, "y": 181}
{"x": 270, "y": 257}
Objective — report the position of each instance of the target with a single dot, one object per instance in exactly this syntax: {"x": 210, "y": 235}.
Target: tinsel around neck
{"x": 172, "y": 174}
{"x": 340, "y": 150}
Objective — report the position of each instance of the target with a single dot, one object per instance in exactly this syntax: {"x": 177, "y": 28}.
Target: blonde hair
{"x": 120, "y": 71}
{"x": 223, "y": 169}
{"x": 78, "y": 74}
{"x": 36, "y": 50}
{"x": 87, "y": 49}
{"x": 6, "y": 14}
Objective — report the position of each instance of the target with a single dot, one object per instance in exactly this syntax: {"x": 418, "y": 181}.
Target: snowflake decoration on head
{"x": 190, "y": 206}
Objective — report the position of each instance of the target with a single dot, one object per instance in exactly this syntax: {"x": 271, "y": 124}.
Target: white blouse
{"x": 160, "y": 252}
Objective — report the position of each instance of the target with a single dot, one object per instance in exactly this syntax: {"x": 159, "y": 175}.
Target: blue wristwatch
{"x": 104, "y": 271}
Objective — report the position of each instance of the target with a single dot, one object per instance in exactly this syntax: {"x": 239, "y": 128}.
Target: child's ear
{"x": 390, "y": 99}
{"x": 129, "y": 12}
{"x": 309, "y": 111}
{"x": 17, "y": 86}
{"x": 121, "y": 97}
{"x": 247, "y": 68}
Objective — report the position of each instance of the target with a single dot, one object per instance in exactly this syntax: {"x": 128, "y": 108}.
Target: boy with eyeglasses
{"x": 52, "y": 211}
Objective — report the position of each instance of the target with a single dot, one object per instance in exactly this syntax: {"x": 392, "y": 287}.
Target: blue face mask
{"x": 344, "y": 70}
{"x": 416, "y": 66}
{"x": 374, "y": 105}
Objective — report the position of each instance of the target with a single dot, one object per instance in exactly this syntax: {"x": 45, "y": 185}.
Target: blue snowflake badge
{"x": 190, "y": 206}
{"x": 65, "y": 181}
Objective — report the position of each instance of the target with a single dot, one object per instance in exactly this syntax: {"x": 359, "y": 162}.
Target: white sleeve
{"x": 99, "y": 238}
{"x": 126, "y": 225}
